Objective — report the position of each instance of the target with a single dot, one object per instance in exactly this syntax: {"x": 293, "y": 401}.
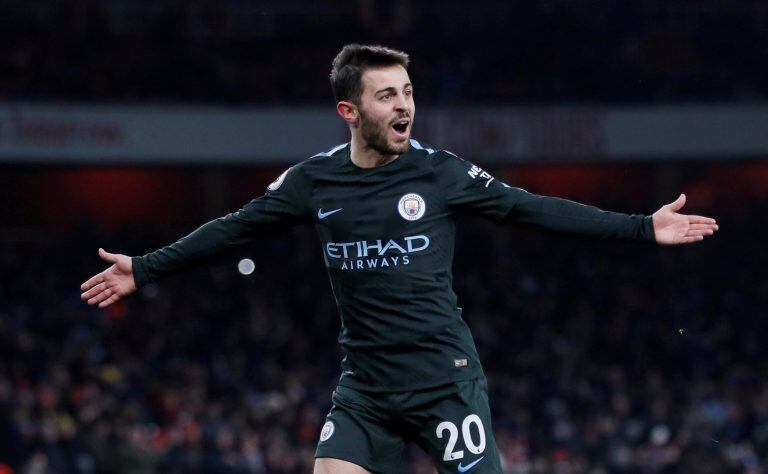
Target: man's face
{"x": 387, "y": 109}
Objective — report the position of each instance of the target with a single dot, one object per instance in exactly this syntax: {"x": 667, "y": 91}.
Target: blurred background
{"x": 126, "y": 124}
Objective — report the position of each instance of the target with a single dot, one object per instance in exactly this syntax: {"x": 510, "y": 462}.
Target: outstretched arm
{"x": 665, "y": 227}
{"x": 671, "y": 228}
{"x": 208, "y": 241}
{"x": 279, "y": 208}
{"x": 471, "y": 189}
{"x": 112, "y": 284}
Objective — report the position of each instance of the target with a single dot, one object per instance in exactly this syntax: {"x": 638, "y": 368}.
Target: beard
{"x": 375, "y": 136}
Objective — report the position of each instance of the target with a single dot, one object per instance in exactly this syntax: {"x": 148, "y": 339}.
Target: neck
{"x": 364, "y": 156}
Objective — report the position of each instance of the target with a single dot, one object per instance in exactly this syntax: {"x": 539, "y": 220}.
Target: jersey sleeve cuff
{"x": 140, "y": 274}
{"x": 647, "y": 232}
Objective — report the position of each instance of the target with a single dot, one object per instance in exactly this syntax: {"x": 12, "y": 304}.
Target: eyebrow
{"x": 392, "y": 89}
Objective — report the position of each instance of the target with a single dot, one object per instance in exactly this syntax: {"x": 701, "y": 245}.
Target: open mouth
{"x": 401, "y": 126}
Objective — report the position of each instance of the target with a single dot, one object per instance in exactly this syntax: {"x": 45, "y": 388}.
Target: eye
{"x": 408, "y": 92}
{"x": 386, "y": 97}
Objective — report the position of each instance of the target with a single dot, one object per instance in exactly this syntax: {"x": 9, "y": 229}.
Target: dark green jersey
{"x": 387, "y": 236}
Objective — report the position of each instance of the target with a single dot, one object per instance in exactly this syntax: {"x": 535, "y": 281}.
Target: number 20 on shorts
{"x": 453, "y": 436}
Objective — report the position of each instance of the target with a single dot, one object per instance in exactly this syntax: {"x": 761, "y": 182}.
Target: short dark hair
{"x": 350, "y": 64}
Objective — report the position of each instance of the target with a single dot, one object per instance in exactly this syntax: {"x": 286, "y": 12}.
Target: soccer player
{"x": 384, "y": 206}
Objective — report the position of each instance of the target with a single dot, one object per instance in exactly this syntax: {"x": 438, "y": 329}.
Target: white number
{"x": 471, "y": 446}
{"x": 453, "y": 436}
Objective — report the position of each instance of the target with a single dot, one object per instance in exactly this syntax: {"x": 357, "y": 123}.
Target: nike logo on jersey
{"x": 322, "y": 215}
{"x": 470, "y": 465}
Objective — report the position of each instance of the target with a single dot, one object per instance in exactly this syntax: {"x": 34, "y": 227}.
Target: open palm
{"x": 112, "y": 284}
{"x": 671, "y": 228}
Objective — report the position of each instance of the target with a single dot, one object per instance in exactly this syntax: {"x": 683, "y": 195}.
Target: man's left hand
{"x": 671, "y": 228}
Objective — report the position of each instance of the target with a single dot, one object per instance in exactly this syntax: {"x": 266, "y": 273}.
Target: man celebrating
{"x": 384, "y": 206}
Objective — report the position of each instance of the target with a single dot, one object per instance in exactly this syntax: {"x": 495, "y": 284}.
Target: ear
{"x": 348, "y": 111}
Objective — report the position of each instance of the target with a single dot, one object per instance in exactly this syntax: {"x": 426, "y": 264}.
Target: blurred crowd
{"x": 602, "y": 357}
{"x": 265, "y": 52}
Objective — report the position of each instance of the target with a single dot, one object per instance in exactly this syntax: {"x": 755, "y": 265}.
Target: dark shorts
{"x": 451, "y": 423}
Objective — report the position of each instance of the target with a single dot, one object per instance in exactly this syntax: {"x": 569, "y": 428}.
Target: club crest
{"x": 411, "y": 207}
{"x": 327, "y": 431}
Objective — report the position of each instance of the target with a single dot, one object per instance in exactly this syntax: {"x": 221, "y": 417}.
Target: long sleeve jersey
{"x": 387, "y": 236}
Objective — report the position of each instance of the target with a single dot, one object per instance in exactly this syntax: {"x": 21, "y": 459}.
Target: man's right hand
{"x": 113, "y": 283}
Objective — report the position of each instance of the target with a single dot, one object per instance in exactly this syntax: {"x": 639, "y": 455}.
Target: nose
{"x": 401, "y": 103}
